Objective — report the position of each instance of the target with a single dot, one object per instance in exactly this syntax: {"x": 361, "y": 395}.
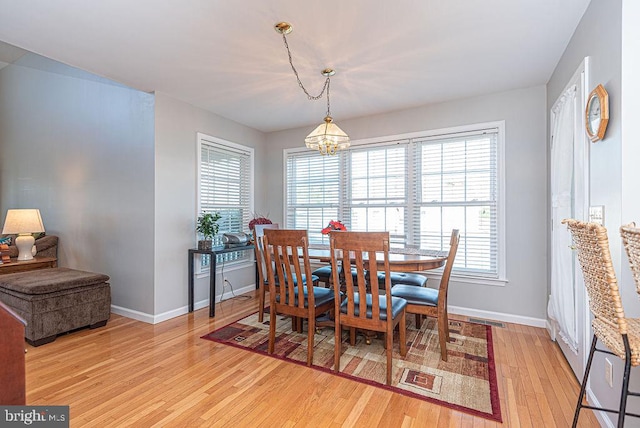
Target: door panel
{"x": 569, "y": 198}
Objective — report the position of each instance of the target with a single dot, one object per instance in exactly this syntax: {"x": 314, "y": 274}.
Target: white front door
{"x": 569, "y": 199}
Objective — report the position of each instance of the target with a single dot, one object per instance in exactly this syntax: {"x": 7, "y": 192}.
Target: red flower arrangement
{"x": 334, "y": 225}
{"x": 258, "y": 220}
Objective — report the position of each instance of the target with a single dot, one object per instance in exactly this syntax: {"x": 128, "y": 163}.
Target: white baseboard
{"x": 498, "y": 316}
{"x": 602, "y": 417}
{"x": 130, "y": 313}
{"x": 246, "y": 289}
{"x": 155, "y": 319}
{"x": 551, "y": 329}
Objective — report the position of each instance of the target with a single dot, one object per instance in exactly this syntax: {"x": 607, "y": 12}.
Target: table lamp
{"x": 24, "y": 223}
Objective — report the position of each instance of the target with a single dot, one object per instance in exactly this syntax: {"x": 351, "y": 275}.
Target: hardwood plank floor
{"x": 131, "y": 373}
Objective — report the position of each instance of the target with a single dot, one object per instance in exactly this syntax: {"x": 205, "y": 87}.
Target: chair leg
{"x": 403, "y": 334}
{"x": 446, "y": 324}
{"x": 583, "y": 387}
{"x": 442, "y": 338}
{"x": 337, "y": 347}
{"x": 352, "y": 336}
{"x": 418, "y": 321}
{"x": 296, "y": 324}
{"x": 310, "y": 334}
{"x": 389, "y": 342}
{"x": 272, "y": 328}
{"x": 625, "y": 380}
{"x": 261, "y": 297}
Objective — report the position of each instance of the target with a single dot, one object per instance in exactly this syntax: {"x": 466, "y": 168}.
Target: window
{"x": 225, "y": 185}
{"x": 418, "y": 187}
{"x": 313, "y": 192}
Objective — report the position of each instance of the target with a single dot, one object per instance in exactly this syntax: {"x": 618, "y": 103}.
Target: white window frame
{"x": 245, "y": 257}
{"x": 501, "y": 278}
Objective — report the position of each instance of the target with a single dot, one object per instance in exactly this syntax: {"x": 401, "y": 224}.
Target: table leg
{"x": 212, "y": 287}
{"x": 190, "y": 264}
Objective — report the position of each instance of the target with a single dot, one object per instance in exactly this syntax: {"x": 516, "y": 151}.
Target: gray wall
{"x": 175, "y": 198}
{"x": 113, "y": 171}
{"x": 526, "y": 179}
{"x": 82, "y": 152}
{"x": 598, "y": 36}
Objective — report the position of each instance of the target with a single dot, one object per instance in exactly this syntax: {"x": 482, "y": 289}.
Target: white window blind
{"x": 313, "y": 194}
{"x": 225, "y": 186}
{"x": 377, "y": 198}
{"x": 457, "y": 189}
{"x": 417, "y": 188}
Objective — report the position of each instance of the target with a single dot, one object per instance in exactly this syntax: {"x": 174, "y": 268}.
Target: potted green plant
{"x": 208, "y": 227}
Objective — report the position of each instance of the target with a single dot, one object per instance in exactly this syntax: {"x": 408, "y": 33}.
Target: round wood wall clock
{"x": 597, "y": 113}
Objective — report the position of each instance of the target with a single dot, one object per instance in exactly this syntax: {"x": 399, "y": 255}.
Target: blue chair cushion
{"x": 321, "y": 296}
{"x": 414, "y": 279}
{"x": 314, "y": 278}
{"x": 397, "y": 305}
{"x": 416, "y": 295}
{"x": 324, "y": 273}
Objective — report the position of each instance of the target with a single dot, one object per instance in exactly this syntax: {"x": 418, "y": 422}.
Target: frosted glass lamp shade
{"x": 23, "y": 222}
{"x": 327, "y": 138}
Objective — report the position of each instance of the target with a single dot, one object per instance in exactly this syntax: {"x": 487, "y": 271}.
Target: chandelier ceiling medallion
{"x": 327, "y": 138}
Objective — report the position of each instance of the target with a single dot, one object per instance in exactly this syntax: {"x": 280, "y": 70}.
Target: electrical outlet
{"x": 608, "y": 372}
{"x": 596, "y": 214}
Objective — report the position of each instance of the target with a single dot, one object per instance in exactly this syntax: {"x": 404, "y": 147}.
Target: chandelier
{"x": 327, "y": 138}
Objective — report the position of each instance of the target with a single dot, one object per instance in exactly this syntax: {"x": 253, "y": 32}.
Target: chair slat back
{"x": 446, "y": 274}
{"x": 287, "y": 256}
{"x": 258, "y": 238}
{"x": 360, "y": 250}
{"x": 631, "y": 240}
{"x": 592, "y": 245}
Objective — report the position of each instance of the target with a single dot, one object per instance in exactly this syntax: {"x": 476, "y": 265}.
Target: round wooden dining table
{"x": 400, "y": 259}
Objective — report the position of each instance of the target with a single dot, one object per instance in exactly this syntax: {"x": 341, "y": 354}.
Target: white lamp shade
{"x": 24, "y": 223}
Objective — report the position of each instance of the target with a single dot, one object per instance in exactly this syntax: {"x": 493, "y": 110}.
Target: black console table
{"x": 212, "y": 273}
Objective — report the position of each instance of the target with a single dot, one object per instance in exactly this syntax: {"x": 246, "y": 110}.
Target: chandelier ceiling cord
{"x": 327, "y": 138}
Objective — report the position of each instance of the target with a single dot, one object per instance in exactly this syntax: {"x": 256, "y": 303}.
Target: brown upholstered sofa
{"x": 47, "y": 246}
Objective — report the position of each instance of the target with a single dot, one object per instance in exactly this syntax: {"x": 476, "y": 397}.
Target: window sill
{"x": 467, "y": 279}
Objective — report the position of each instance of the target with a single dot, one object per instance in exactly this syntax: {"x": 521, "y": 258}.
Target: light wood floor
{"x": 134, "y": 374}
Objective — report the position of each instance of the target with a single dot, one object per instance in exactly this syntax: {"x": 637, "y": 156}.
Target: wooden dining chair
{"x": 432, "y": 302}
{"x": 263, "y": 285}
{"x": 621, "y": 335}
{"x": 287, "y": 259}
{"x": 378, "y": 310}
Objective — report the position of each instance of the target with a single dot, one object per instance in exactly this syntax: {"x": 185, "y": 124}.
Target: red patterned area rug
{"x": 466, "y": 382}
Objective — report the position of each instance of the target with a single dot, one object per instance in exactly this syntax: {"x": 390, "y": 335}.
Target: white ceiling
{"x": 225, "y": 56}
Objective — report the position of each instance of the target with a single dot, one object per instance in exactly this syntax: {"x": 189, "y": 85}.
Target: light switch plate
{"x": 596, "y": 214}
{"x": 608, "y": 372}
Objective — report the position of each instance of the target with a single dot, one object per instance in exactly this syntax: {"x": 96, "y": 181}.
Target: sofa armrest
{"x": 47, "y": 246}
